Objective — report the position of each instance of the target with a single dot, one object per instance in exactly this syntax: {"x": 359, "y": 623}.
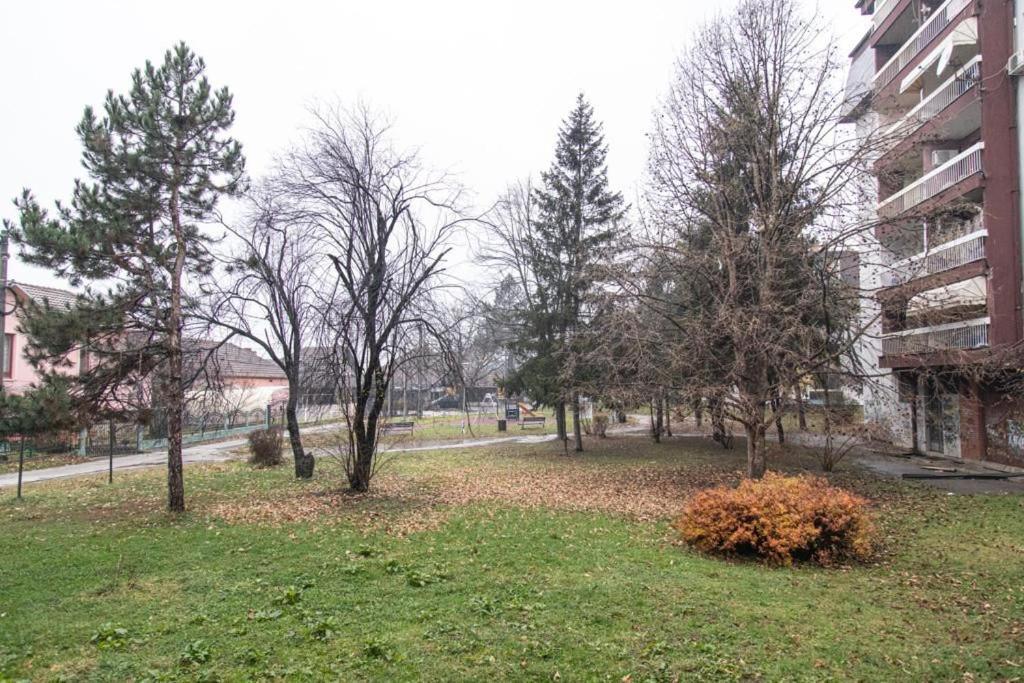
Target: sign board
{"x": 512, "y": 411}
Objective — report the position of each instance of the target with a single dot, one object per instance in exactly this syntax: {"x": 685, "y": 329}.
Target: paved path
{"x": 209, "y": 452}
{"x": 221, "y": 451}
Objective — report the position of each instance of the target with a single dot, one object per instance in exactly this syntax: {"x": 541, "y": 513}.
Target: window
{"x": 8, "y": 357}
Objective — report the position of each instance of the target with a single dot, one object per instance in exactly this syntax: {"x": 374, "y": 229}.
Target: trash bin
{"x": 502, "y": 426}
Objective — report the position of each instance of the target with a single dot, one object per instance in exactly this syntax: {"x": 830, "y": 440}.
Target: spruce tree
{"x": 579, "y": 219}
{"x": 158, "y": 160}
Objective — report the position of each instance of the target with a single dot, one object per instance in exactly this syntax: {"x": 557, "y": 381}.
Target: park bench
{"x": 537, "y": 421}
{"x": 398, "y": 427}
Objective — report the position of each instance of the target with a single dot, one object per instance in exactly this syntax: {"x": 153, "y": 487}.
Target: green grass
{"x": 452, "y": 427}
{"x": 97, "y": 583}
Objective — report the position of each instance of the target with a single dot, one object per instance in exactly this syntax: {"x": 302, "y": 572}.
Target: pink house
{"x": 18, "y": 373}
{"x": 247, "y": 377}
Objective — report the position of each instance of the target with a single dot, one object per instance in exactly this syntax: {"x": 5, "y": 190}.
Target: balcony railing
{"x": 959, "y": 252}
{"x": 972, "y": 334}
{"x": 936, "y": 24}
{"x": 937, "y": 102}
{"x": 957, "y": 169}
{"x": 883, "y": 8}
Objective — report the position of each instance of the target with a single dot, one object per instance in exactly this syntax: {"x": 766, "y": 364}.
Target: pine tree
{"x": 579, "y": 219}
{"x": 157, "y": 161}
{"x": 45, "y": 408}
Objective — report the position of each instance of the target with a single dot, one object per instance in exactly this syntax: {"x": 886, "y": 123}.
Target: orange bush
{"x": 779, "y": 519}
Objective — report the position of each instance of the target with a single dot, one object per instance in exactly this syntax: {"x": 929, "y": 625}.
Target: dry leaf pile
{"x": 403, "y": 503}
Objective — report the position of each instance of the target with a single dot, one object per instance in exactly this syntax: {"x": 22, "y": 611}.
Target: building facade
{"x": 936, "y": 82}
{"x": 18, "y": 373}
{"x": 245, "y": 377}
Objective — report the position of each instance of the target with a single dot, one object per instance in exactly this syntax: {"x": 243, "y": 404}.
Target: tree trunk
{"x": 560, "y": 420}
{"x": 801, "y": 410}
{"x": 718, "y": 430}
{"x": 698, "y": 412}
{"x": 21, "y": 463}
{"x": 668, "y": 418}
{"x": 914, "y": 427}
{"x": 660, "y": 419}
{"x": 175, "y": 385}
{"x": 655, "y": 427}
{"x": 303, "y": 461}
{"x": 756, "y": 464}
{"x": 777, "y": 409}
{"x": 362, "y": 468}
{"x": 577, "y": 428}
{"x": 110, "y": 454}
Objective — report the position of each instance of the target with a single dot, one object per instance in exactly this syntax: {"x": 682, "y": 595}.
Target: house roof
{"x": 237, "y": 361}
{"x": 38, "y": 293}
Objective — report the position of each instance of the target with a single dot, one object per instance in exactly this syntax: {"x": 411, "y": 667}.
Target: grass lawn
{"x": 437, "y": 429}
{"x": 512, "y": 562}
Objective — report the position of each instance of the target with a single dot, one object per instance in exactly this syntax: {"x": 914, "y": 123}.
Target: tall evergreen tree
{"x": 157, "y": 161}
{"x": 578, "y": 219}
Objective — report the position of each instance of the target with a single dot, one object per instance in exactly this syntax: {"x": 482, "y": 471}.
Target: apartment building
{"x": 937, "y": 81}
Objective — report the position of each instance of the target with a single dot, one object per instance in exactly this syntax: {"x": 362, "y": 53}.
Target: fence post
{"x": 83, "y": 441}
{"x": 268, "y": 417}
{"x": 138, "y": 438}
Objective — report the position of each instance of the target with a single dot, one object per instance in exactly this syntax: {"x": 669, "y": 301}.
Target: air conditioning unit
{"x": 941, "y": 156}
{"x": 1015, "y": 67}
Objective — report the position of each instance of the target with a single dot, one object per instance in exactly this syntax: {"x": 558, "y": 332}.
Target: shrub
{"x": 265, "y": 447}
{"x": 779, "y": 519}
{"x": 600, "y": 425}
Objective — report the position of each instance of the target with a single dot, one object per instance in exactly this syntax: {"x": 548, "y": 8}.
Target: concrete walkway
{"x": 893, "y": 467}
{"x": 210, "y": 452}
{"x": 221, "y": 451}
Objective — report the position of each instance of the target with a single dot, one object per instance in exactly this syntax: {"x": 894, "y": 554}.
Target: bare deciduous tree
{"x": 270, "y": 293}
{"x": 384, "y": 223}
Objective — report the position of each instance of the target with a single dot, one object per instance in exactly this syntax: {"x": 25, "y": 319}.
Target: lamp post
{"x": 465, "y": 412}
{"x": 4, "y": 350}
{"x": 4, "y": 256}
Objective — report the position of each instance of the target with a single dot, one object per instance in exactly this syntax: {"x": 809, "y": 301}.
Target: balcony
{"x": 939, "y": 20}
{"x": 883, "y": 8}
{"x": 963, "y": 336}
{"x": 956, "y": 170}
{"x": 936, "y": 103}
{"x": 959, "y": 252}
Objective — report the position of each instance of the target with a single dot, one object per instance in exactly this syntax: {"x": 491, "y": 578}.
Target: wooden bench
{"x": 532, "y": 422}
{"x": 398, "y": 428}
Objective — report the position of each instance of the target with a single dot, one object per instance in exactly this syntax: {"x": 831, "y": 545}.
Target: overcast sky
{"x": 480, "y": 87}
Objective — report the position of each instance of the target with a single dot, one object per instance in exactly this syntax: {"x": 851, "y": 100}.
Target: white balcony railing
{"x": 883, "y": 8}
{"x": 937, "y": 102}
{"x": 959, "y": 252}
{"x": 957, "y": 169}
{"x": 972, "y": 334}
{"x": 932, "y": 27}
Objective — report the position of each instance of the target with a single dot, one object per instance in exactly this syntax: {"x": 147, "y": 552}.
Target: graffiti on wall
{"x": 1015, "y": 437}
